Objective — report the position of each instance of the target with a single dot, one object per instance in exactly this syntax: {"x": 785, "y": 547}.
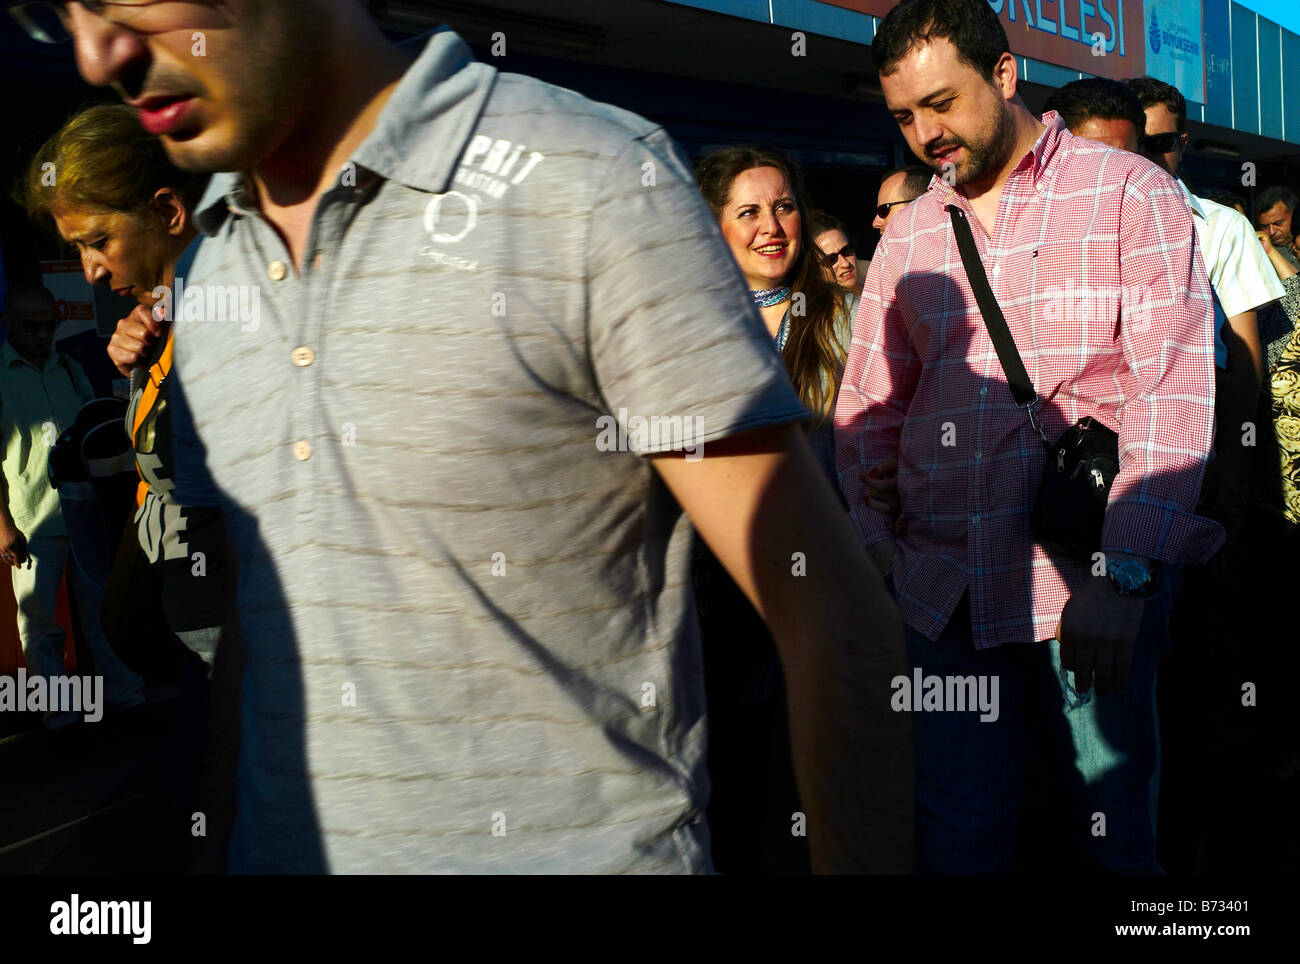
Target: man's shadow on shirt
{"x": 1058, "y": 823}
{"x": 254, "y": 753}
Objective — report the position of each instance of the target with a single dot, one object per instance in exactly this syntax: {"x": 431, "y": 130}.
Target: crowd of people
{"x": 438, "y": 626}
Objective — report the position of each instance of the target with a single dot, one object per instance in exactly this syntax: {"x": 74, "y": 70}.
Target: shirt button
{"x": 303, "y": 356}
{"x": 276, "y": 271}
{"x": 978, "y": 456}
{"x": 975, "y": 518}
{"x": 984, "y": 389}
{"x": 997, "y": 270}
{"x": 302, "y": 450}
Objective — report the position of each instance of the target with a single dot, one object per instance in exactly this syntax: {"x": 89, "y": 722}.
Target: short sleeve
{"x": 1245, "y": 278}
{"x": 673, "y": 332}
{"x": 193, "y": 484}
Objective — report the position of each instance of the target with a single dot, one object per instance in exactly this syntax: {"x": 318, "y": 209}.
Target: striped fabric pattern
{"x": 471, "y": 642}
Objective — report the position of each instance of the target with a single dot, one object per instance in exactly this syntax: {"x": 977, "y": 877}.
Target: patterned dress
{"x": 1284, "y": 386}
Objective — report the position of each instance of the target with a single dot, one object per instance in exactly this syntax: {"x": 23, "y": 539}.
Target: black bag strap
{"x": 1022, "y": 389}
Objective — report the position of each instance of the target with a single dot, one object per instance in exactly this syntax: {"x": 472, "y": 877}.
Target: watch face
{"x": 1129, "y": 575}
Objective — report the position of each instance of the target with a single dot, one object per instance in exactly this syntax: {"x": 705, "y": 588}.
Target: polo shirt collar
{"x": 418, "y": 137}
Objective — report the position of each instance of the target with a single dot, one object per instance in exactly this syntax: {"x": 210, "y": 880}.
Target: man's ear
{"x": 1006, "y": 75}
{"x": 169, "y": 207}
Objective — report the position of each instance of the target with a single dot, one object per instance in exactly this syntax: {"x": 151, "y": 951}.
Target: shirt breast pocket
{"x": 1075, "y": 307}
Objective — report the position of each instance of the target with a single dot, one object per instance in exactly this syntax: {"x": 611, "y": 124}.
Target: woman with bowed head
{"x": 126, "y": 209}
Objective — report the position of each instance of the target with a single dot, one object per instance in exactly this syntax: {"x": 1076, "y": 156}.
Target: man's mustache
{"x": 936, "y": 149}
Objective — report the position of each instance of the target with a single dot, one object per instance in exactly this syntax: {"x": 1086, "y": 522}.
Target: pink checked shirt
{"x": 1094, "y": 262}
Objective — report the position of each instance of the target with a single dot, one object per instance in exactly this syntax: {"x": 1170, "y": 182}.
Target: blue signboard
{"x": 1218, "y": 64}
{"x": 1174, "y": 45}
{"x": 1270, "y": 77}
{"x": 1245, "y": 70}
{"x": 1291, "y": 85}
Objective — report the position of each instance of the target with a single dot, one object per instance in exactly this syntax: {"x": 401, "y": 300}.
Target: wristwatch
{"x": 1133, "y": 577}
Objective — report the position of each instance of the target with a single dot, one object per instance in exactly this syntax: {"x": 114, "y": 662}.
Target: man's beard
{"x": 988, "y": 152}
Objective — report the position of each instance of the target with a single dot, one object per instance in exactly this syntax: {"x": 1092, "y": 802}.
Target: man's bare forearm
{"x": 1244, "y": 345}
{"x": 841, "y": 644}
{"x": 772, "y": 519}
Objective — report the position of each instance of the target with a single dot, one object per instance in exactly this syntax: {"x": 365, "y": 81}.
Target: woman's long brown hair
{"x": 813, "y": 355}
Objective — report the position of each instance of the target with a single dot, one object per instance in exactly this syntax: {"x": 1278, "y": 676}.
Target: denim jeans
{"x": 35, "y": 591}
{"x": 1087, "y": 770}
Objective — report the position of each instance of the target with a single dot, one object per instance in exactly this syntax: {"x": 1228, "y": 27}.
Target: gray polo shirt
{"x": 464, "y": 593}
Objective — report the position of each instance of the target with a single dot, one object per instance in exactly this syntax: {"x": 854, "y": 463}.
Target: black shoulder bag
{"x": 1082, "y": 464}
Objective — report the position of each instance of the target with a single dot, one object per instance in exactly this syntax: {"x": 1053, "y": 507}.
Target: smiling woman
{"x": 758, "y": 197}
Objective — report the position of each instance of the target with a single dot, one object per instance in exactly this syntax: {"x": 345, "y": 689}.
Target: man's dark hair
{"x": 917, "y": 181}
{"x": 970, "y": 25}
{"x": 1271, "y": 196}
{"x": 1151, "y": 92}
{"x": 1229, "y": 199}
{"x": 1097, "y": 98}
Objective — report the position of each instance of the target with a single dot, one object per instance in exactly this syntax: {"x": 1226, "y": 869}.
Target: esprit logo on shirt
{"x": 448, "y": 218}
{"x": 488, "y": 168}
{"x": 489, "y": 163}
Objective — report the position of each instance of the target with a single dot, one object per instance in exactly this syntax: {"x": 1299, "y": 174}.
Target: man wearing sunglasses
{"x": 900, "y": 186}
{"x": 1210, "y": 617}
{"x": 464, "y": 620}
{"x": 1243, "y": 280}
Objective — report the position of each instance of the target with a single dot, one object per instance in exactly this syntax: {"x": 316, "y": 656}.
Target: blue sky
{"x": 1283, "y": 12}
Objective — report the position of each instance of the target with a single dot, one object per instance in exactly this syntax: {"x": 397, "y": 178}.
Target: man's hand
{"x": 769, "y": 514}
{"x": 134, "y": 336}
{"x": 882, "y": 554}
{"x": 13, "y": 545}
{"x": 1097, "y": 631}
{"x": 881, "y": 492}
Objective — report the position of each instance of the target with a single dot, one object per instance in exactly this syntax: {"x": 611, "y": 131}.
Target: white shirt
{"x": 1239, "y": 270}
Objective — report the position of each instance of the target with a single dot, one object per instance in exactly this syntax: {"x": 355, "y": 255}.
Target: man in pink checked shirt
{"x": 1092, "y": 255}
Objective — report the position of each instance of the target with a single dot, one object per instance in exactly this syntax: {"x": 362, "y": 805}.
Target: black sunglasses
{"x": 829, "y": 258}
{"x": 882, "y": 210}
{"x": 1161, "y": 143}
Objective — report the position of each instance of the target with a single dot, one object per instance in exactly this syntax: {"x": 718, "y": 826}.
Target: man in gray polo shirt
{"x": 489, "y": 339}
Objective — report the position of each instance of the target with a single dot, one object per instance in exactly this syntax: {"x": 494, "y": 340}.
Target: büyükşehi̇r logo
{"x": 1153, "y": 33}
